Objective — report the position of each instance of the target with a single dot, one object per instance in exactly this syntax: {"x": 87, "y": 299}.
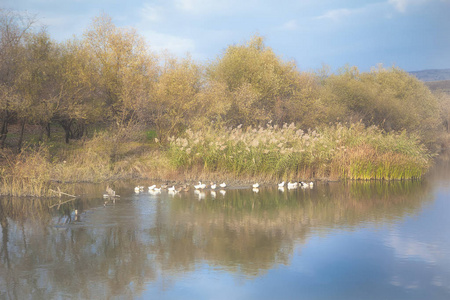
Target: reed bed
{"x": 339, "y": 151}
{"x": 266, "y": 153}
{"x": 25, "y": 174}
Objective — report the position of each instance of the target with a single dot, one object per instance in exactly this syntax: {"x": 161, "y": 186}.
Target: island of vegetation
{"x": 105, "y": 107}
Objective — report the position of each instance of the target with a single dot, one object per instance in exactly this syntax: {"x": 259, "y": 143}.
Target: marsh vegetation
{"x": 104, "y": 106}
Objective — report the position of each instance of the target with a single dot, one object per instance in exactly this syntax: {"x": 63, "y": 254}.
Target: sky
{"x": 409, "y": 34}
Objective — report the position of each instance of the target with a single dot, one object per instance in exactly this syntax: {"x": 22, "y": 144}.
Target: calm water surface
{"x": 336, "y": 241}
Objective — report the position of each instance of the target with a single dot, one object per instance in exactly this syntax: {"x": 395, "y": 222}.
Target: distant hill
{"x": 432, "y": 75}
{"x": 439, "y": 86}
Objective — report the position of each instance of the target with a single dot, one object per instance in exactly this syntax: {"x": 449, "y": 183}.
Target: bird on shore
{"x": 200, "y": 185}
{"x": 292, "y": 185}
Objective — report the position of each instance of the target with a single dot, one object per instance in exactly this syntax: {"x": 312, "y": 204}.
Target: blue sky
{"x": 411, "y": 34}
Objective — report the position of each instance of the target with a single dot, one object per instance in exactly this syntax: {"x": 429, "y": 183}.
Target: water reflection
{"x": 116, "y": 249}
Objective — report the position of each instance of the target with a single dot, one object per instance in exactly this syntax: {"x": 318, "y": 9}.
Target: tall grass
{"x": 337, "y": 151}
{"x": 269, "y": 153}
{"x": 25, "y": 174}
{"x": 37, "y": 169}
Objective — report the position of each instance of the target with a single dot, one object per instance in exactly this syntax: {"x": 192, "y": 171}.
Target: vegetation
{"x": 336, "y": 151}
{"x": 103, "y": 106}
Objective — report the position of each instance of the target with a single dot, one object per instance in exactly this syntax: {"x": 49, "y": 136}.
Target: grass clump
{"x": 25, "y": 174}
{"x": 338, "y": 151}
{"x": 104, "y": 157}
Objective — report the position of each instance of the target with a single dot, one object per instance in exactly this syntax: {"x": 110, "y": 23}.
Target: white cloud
{"x": 289, "y": 25}
{"x": 151, "y": 12}
{"x": 214, "y": 6}
{"x": 337, "y": 14}
{"x": 411, "y": 248}
{"x": 368, "y": 11}
{"x": 402, "y": 5}
{"x": 174, "y": 44}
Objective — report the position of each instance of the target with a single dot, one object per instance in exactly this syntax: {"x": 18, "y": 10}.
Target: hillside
{"x": 432, "y": 75}
{"x": 442, "y": 86}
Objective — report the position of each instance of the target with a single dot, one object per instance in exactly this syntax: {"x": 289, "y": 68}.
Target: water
{"x": 336, "y": 241}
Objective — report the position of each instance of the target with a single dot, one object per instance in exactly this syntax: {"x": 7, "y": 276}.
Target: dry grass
{"x": 338, "y": 151}
{"x": 38, "y": 169}
{"x": 25, "y": 174}
{"x": 265, "y": 153}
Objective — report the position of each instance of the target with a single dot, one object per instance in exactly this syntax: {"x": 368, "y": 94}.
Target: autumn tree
{"x": 78, "y": 102}
{"x": 176, "y": 96}
{"x": 125, "y": 69}
{"x": 444, "y": 105}
{"x": 262, "y": 86}
{"x": 389, "y": 98}
{"x": 13, "y": 28}
{"x": 37, "y": 83}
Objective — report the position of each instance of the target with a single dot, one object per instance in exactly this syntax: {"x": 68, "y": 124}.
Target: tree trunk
{"x": 67, "y": 131}
{"x": 4, "y": 131}
{"x": 78, "y": 129}
{"x": 66, "y": 124}
{"x": 47, "y": 128}
{"x": 44, "y": 128}
{"x": 19, "y": 144}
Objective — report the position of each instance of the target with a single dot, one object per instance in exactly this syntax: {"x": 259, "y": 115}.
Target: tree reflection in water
{"x": 116, "y": 250}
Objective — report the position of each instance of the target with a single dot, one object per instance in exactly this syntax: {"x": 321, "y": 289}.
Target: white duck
{"x": 281, "y": 184}
{"x": 200, "y": 185}
{"x": 292, "y": 185}
{"x": 223, "y": 185}
{"x": 255, "y": 185}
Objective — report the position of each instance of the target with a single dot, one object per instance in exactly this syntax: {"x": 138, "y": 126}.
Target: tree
{"x": 262, "y": 86}
{"x": 78, "y": 102}
{"x": 444, "y": 105}
{"x": 37, "y": 82}
{"x": 126, "y": 71}
{"x": 13, "y": 28}
{"x": 176, "y": 96}
{"x": 389, "y": 98}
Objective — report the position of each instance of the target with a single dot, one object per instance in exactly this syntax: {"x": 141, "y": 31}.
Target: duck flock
{"x": 201, "y": 187}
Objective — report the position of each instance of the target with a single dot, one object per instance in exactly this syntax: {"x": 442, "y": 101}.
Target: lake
{"x": 353, "y": 240}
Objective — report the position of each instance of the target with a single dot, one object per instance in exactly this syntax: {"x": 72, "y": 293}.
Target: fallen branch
{"x": 60, "y": 203}
{"x": 61, "y": 193}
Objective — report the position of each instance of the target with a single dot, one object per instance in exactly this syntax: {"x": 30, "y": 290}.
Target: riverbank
{"x": 238, "y": 156}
